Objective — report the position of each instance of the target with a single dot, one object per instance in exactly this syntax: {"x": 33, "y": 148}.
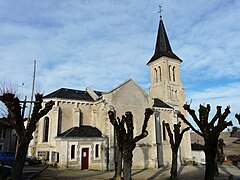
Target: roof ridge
{"x": 70, "y": 130}
{"x": 118, "y": 86}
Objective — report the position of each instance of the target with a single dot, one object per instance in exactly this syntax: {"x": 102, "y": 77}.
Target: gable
{"x": 129, "y": 94}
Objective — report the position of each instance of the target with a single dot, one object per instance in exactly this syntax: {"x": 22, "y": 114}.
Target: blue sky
{"x": 100, "y": 44}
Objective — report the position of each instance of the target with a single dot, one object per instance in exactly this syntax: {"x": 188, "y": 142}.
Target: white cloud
{"x": 102, "y": 43}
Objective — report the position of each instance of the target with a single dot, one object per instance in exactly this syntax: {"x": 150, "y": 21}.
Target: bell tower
{"x": 165, "y": 71}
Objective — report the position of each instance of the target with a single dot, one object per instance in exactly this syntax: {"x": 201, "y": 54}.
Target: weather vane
{"x": 160, "y": 11}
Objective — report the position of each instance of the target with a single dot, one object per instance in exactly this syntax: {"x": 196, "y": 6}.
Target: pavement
{"x": 30, "y": 172}
{"x": 185, "y": 173}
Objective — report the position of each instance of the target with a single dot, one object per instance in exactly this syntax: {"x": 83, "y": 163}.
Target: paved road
{"x": 30, "y": 172}
{"x": 185, "y": 173}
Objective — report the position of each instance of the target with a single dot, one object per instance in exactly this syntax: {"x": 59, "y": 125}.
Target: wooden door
{"x": 85, "y": 156}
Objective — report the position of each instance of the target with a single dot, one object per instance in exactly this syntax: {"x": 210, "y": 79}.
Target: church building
{"x": 78, "y": 133}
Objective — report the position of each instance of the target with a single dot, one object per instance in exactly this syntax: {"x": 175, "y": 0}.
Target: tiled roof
{"x": 160, "y": 103}
{"x": 82, "y": 131}
{"x": 65, "y": 93}
{"x": 163, "y": 47}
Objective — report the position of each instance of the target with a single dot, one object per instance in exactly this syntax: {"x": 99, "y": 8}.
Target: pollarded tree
{"x": 175, "y": 143}
{"x": 24, "y": 133}
{"x": 210, "y": 131}
{"x": 125, "y": 140}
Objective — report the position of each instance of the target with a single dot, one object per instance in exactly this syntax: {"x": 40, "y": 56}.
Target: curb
{"x": 35, "y": 175}
{"x": 29, "y": 175}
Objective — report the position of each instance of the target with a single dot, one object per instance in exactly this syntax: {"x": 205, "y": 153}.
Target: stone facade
{"x": 58, "y": 137}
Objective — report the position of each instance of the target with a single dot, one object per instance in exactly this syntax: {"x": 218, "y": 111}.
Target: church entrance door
{"x": 85, "y": 156}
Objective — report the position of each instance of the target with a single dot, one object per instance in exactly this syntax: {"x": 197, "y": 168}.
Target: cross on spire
{"x": 160, "y": 11}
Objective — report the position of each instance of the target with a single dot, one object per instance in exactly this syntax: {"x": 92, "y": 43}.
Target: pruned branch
{"x": 129, "y": 124}
{"x": 224, "y": 115}
{"x": 37, "y": 114}
{"x": 189, "y": 124}
{"x": 113, "y": 120}
{"x": 148, "y": 113}
{"x": 170, "y": 134}
{"x": 238, "y": 117}
{"x": 193, "y": 114}
{"x": 203, "y": 114}
{"x": 14, "y": 111}
{"x": 215, "y": 117}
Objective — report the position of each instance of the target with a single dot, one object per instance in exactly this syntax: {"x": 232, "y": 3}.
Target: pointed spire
{"x": 163, "y": 47}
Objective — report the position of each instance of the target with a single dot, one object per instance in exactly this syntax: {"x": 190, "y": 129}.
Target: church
{"x": 77, "y": 132}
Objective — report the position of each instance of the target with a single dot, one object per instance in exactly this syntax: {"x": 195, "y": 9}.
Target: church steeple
{"x": 165, "y": 71}
{"x": 163, "y": 47}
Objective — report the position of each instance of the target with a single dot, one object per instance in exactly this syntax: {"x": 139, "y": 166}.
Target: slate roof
{"x": 160, "y": 103}
{"x": 65, "y": 93}
{"x": 81, "y": 131}
{"x": 163, "y": 47}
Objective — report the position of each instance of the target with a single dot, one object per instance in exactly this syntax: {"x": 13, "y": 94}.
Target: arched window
{"x": 156, "y": 75}
{"x": 173, "y": 73}
{"x": 160, "y": 73}
{"x": 45, "y": 129}
{"x": 169, "y": 72}
{"x": 164, "y": 130}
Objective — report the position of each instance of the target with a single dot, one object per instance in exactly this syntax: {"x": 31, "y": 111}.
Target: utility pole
{"x": 33, "y": 84}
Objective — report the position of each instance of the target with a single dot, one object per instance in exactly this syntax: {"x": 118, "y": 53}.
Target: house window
{"x": 55, "y": 156}
{"x": 72, "y": 151}
{"x": 164, "y": 131}
{"x": 45, "y": 129}
{"x": 43, "y": 155}
{"x": 97, "y": 151}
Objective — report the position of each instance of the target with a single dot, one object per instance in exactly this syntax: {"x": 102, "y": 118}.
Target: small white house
{"x": 198, "y": 155}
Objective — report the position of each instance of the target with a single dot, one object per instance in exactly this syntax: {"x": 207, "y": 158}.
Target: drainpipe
{"x": 67, "y": 154}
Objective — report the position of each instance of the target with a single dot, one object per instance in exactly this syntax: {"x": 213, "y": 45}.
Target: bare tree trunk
{"x": 127, "y": 165}
{"x": 209, "y": 170}
{"x": 126, "y": 142}
{"x": 175, "y": 143}
{"x": 24, "y": 134}
{"x": 127, "y": 171}
{"x": 210, "y": 131}
{"x": 211, "y": 164}
{"x": 174, "y": 165}
{"x": 118, "y": 170}
{"x": 17, "y": 167}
